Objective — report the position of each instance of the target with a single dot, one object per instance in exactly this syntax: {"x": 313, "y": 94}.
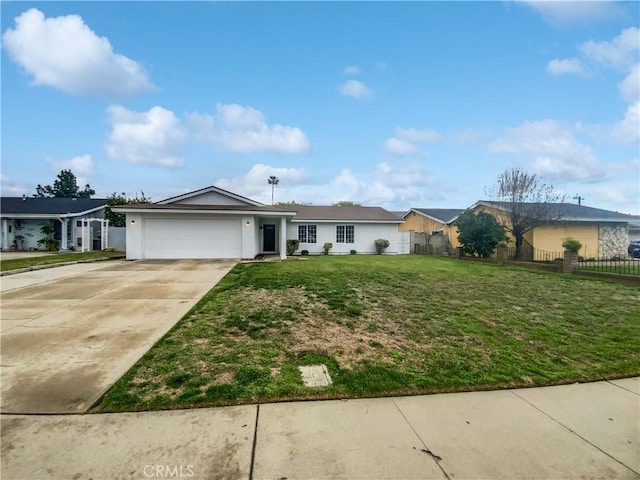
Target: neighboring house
{"x": 76, "y": 222}
{"x": 603, "y": 233}
{"x": 432, "y": 228}
{"x": 214, "y": 223}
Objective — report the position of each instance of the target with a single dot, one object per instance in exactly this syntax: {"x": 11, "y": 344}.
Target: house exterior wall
{"x": 550, "y": 237}
{"x": 210, "y": 198}
{"x": 419, "y": 223}
{"x": 613, "y": 240}
{"x": 30, "y": 230}
{"x": 364, "y": 236}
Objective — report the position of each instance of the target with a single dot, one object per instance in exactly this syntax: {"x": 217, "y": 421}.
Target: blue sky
{"x": 416, "y": 104}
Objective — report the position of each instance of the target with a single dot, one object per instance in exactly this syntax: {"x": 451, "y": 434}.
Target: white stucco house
{"x": 214, "y": 223}
{"x": 78, "y": 222}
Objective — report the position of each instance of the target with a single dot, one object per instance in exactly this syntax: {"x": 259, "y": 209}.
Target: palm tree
{"x": 273, "y": 181}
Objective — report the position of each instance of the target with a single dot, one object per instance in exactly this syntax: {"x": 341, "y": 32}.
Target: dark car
{"x": 634, "y": 249}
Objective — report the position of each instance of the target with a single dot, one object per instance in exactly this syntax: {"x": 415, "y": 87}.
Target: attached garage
{"x": 195, "y": 237}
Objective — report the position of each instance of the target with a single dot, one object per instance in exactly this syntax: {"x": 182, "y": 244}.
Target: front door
{"x": 269, "y": 238}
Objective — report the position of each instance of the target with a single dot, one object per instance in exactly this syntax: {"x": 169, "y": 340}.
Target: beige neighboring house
{"x": 432, "y": 229}
{"x": 603, "y": 233}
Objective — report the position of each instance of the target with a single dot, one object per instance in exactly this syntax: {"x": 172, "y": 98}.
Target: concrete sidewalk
{"x": 570, "y": 432}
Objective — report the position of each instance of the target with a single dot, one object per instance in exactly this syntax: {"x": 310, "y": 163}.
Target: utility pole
{"x": 579, "y": 198}
{"x": 273, "y": 181}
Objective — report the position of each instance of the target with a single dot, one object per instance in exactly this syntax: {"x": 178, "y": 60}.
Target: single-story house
{"x": 603, "y": 233}
{"x": 77, "y": 222}
{"x": 432, "y": 228}
{"x": 215, "y": 223}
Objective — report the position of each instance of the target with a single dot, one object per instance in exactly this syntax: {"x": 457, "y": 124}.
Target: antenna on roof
{"x": 579, "y": 198}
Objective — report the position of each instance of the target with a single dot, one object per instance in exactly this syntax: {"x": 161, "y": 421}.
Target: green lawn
{"x": 385, "y": 325}
{"x": 17, "y": 263}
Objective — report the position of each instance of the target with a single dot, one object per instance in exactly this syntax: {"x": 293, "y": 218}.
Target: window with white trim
{"x": 307, "y": 234}
{"x": 345, "y": 234}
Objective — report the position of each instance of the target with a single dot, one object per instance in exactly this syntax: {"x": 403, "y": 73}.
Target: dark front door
{"x": 269, "y": 238}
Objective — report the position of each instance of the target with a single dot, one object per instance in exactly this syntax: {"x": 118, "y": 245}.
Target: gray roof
{"x": 191, "y": 206}
{"x": 48, "y": 206}
{"x": 444, "y": 215}
{"x": 573, "y": 212}
{"x": 356, "y": 214}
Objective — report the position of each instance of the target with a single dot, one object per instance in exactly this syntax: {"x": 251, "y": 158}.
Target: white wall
{"x": 134, "y": 236}
{"x": 364, "y": 236}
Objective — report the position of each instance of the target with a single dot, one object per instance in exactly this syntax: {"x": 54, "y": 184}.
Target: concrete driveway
{"x": 69, "y": 333}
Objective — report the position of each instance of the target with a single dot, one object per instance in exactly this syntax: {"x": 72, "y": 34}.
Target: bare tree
{"x": 522, "y": 202}
{"x": 273, "y": 181}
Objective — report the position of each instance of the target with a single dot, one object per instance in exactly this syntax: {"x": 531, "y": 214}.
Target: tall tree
{"x": 119, "y": 219}
{"x": 523, "y": 202}
{"x": 273, "y": 181}
{"x": 346, "y": 203}
{"x": 480, "y": 233}
{"x": 66, "y": 186}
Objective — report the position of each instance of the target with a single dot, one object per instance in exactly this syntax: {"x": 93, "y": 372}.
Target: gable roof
{"x": 16, "y": 206}
{"x": 212, "y": 188}
{"x": 570, "y": 212}
{"x": 442, "y": 215}
{"x": 195, "y": 208}
{"x": 309, "y": 213}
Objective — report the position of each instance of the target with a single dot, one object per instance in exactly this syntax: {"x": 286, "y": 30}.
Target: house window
{"x": 345, "y": 233}
{"x": 307, "y": 234}
{"x": 78, "y": 223}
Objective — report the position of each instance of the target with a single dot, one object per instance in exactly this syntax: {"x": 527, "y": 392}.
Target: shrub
{"x": 304, "y": 253}
{"x": 479, "y": 234}
{"x": 353, "y": 251}
{"x": 326, "y": 247}
{"x": 292, "y": 246}
{"x": 571, "y": 245}
{"x": 381, "y": 244}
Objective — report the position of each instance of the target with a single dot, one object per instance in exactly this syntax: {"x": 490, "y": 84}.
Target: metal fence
{"x": 616, "y": 265}
{"x": 530, "y": 254}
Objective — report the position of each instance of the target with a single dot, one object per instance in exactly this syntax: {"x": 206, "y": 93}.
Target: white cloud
{"x": 630, "y": 86}
{"x": 418, "y": 136}
{"x": 620, "y": 53}
{"x": 9, "y": 188}
{"x": 242, "y": 129}
{"x": 154, "y": 137}
{"x": 628, "y": 129}
{"x": 64, "y": 53}
{"x": 81, "y": 165}
{"x": 398, "y": 146}
{"x": 573, "y": 66}
{"x": 562, "y": 13}
{"x": 352, "y": 70}
{"x": 355, "y": 89}
{"x": 254, "y": 183}
{"x": 406, "y": 141}
{"x": 555, "y": 151}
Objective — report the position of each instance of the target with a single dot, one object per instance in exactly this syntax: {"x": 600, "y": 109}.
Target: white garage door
{"x": 192, "y": 238}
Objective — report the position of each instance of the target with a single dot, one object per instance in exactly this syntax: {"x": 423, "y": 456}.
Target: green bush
{"x": 304, "y": 253}
{"x": 479, "y": 234}
{"x": 381, "y": 244}
{"x": 326, "y": 247}
{"x": 571, "y": 245}
{"x": 292, "y": 246}
{"x": 353, "y": 251}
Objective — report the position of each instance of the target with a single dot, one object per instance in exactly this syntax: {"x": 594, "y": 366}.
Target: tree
{"x": 119, "y": 219}
{"x": 523, "y": 202}
{"x": 479, "y": 233}
{"x": 346, "y": 203}
{"x": 292, "y": 203}
{"x": 65, "y": 186}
